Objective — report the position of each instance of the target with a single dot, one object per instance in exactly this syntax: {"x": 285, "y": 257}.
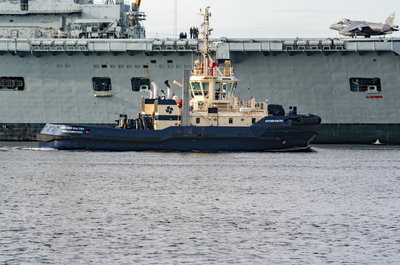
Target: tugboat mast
{"x": 206, "y": 36}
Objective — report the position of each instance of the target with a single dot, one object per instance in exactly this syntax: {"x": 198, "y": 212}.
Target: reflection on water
{"x": 339, "y": 204}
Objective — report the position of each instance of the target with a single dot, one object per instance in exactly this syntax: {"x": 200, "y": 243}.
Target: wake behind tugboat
{"x": 208, "y": 118}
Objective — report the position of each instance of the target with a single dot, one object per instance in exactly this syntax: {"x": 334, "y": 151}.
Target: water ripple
{"x": 337, "y": 205}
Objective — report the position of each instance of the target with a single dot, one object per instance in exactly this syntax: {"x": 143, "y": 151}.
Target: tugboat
{"x": 208, "y": 118}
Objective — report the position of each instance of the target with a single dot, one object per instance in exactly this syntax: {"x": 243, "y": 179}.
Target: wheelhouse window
{"x": 231, "y": 88}
{"x": 196, "y": 89}
{"x": 140, "y": 84}
{"x": 101, "y": 84}
{"x": 222, "y": 90}
{"x": 367, "y": 85}
{"x": 12, "y": 83}
{"x": 206, "y": 86}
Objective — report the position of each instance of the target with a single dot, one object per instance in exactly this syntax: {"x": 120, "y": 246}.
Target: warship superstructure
{"x": 66, "y": 61}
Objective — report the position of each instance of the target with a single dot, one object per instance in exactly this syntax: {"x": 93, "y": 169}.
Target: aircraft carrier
{"x": 73, "y": 61}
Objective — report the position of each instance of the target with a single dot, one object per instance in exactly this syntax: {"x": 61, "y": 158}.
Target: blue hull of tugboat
{"x": 270, "y": 134}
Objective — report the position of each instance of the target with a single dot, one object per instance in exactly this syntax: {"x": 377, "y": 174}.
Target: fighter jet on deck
{"x": 351, "y": 28}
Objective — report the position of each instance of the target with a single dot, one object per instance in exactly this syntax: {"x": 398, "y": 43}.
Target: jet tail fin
{"x": 390, "y": 19}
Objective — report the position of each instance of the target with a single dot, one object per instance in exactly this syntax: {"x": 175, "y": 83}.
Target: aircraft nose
{"x": 334, "y": 26}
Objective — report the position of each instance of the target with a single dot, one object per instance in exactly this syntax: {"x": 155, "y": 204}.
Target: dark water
{"x": 338, "y": 205}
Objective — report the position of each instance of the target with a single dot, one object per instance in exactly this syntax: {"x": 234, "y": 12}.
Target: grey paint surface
{"x": 59, "y": 86}
{"x": 310, "y": 73}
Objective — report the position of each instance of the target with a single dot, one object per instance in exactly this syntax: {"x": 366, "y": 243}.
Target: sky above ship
{"x": 262, "y": 18}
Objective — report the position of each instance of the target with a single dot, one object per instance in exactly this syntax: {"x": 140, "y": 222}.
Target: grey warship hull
{"x": 87, "y": 77}
{"x": 58, "y": 82}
